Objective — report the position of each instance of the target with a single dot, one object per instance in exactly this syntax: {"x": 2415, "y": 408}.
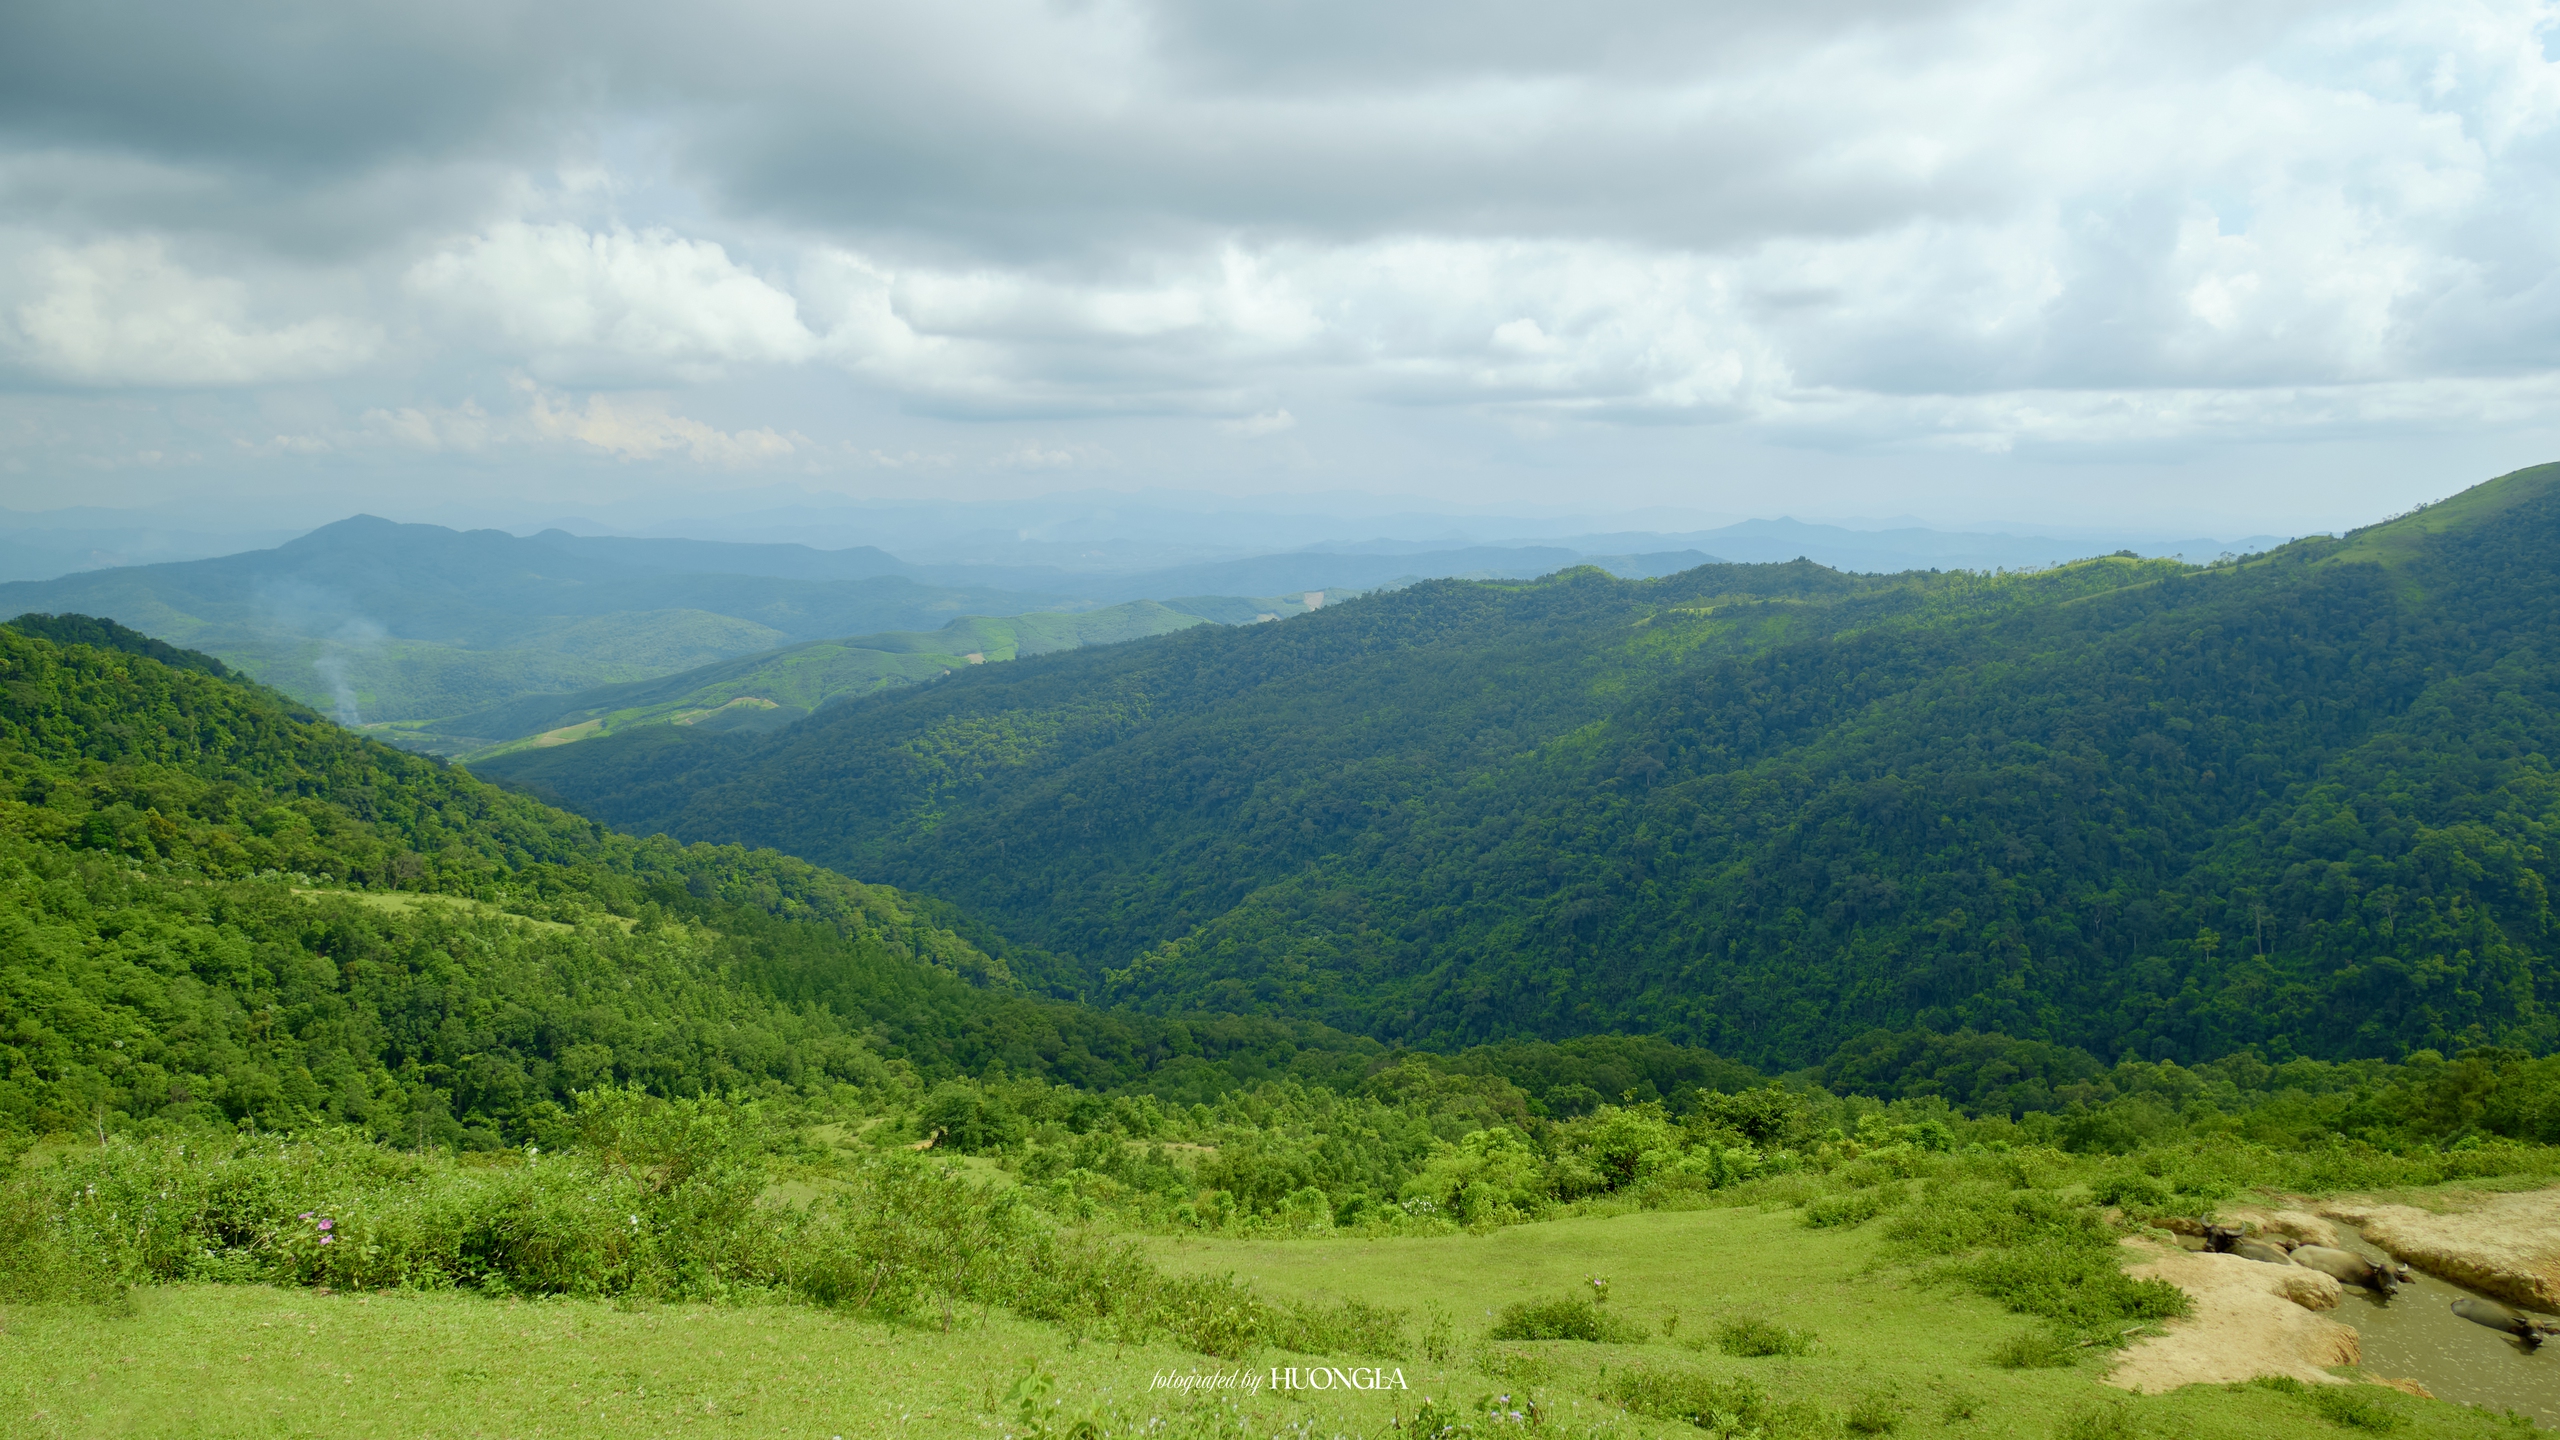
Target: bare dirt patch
{"x": 2251, "y": 1319}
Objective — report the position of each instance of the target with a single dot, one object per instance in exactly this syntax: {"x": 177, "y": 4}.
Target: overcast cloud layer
{"x": 2274, "y": 265}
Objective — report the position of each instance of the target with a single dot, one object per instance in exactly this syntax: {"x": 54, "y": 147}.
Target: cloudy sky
{"x": 2257, "y": 266}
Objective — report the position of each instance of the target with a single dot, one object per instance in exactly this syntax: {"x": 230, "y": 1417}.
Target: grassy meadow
{"x": 1888, "y": 1356}
{"x": 691, "y": 1269}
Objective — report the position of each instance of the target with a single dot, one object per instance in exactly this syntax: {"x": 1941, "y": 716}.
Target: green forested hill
{"x": 214, "y": 906}
{"x": 2301, "y": 803}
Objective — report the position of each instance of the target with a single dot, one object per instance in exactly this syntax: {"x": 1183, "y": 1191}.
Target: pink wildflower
{"x": 324, "y": 1239}
{"x": 328, "y": 1224}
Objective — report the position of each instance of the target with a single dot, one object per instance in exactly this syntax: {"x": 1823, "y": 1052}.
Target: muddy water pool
{"x": 2416, "y": 1336}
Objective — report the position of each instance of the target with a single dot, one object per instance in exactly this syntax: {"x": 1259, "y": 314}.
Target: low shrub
{"x": 2138, "y": 1194}
{"x": 2358, "y": 1407}
{"x": 1701, "y": 1400}
{"x": 2355, "y": 1407}
{"x": 1753, "y": 1337}
{"x": 2098, "y": 1422}
{"x": 1851, "y": 1207}
{"x": 2073, "y": 1287}
{"x": 1524, "y": 1368}
{"x": 1567, "y": 1319}
{"x": 1960, "y": 1215}
{"x": 1338, "y": 1327}
{"x": 1875, "y": 1413}
{"x": 2036, "y": 1350}
{"x": 2037, "y": 1251}
{"x": 1723, "y": 1408}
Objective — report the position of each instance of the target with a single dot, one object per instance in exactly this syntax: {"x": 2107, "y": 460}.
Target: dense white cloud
{"x": 122, "y": 313}
{"x": 575, "y": 305}
{"x": 1973, "y": 228}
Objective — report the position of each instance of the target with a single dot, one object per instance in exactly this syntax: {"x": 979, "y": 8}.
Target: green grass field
{"x": 1890, "y": 1355}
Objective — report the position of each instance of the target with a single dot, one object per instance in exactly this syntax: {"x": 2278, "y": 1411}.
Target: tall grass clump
{"x": 2039, "y": 1349}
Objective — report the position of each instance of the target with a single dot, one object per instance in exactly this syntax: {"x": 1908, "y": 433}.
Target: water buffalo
{"x": 2220, "y": 1238}
{"x": 2260, "y": 1251}
{"x": 2350, "y": 1268}
{"x": 2498, "y": 1317}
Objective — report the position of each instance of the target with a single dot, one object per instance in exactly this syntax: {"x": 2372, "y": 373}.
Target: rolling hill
{"x": 375, "y": 621}
{"x": 768, "y": 692}
{"x": 2302, "y": 803}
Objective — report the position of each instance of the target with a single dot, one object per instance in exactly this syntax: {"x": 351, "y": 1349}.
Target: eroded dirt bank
{"x": 2250, "y": 1320}
{"x": 2502, "y": 1245}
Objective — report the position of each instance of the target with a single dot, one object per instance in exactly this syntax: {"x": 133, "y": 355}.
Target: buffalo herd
{"x": 2383, "y": 1279}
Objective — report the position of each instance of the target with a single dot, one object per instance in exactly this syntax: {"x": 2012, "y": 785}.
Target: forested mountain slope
{"x": 2302, "y": 803}
{"x": 214, "y": 906}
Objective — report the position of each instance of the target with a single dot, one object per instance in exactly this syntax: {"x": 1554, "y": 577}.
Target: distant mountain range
{"x": 454, "y": 637}
{"x": 371, "y": 620}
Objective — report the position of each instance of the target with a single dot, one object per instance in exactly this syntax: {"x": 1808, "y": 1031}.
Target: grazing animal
{"x": 2262, "y": 1252}
{"x": 2498, "y": 1317}
{"x": 2350, "y": 1268}
{"x": 929, "y": 1141}
{"x": 2220, "y": 1238}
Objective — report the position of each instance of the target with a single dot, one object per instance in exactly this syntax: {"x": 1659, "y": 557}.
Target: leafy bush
{"x": 2138, "y": 1194}
{"x": 1567, "y": 1319}
{"x": 1752, "y": 1336}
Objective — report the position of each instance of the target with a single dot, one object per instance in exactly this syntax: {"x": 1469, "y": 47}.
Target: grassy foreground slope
{"x": 224, "y": 1361}
{"x": 2303, "y": 803}
{"x": 1856, "y": 1269}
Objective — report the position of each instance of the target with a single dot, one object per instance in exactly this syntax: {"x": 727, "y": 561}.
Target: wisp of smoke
{"x": 332, "y": 670}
